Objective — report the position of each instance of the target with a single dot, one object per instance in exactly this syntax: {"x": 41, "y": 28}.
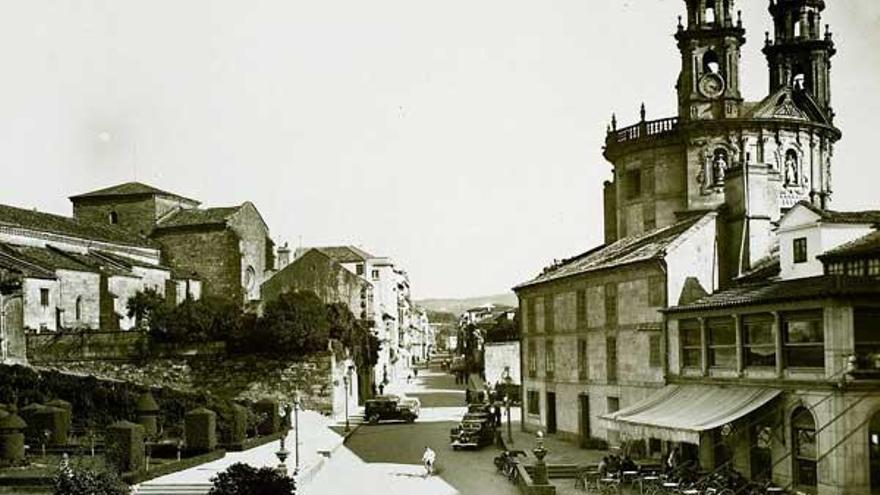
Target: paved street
{"x": 386, "y": 458}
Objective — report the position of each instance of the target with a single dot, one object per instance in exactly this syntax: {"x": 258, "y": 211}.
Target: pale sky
{"x": 460, "y": 137}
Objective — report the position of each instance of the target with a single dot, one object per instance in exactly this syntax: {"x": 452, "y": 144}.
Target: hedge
{"x": 96, "y": 403}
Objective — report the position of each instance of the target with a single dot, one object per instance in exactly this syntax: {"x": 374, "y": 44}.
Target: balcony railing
{"x": 650, "y": 128}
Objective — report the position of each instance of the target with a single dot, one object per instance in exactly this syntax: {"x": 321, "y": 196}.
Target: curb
{"x": 308, "y": 474}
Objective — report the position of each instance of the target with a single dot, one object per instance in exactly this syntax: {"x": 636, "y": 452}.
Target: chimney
{"x": 283, "y": 256}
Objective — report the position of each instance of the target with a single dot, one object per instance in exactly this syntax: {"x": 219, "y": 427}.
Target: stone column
{"x": 777, "y": 324}
{"x": 540, "y": 477}
{"x": 704, "y": 347}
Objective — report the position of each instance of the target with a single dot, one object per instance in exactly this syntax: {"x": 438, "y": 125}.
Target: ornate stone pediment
{"x": 787, "y": 103}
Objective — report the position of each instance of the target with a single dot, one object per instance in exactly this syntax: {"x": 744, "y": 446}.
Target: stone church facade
{"x": 703, "y": 205}
{"x": 77, "y": 273}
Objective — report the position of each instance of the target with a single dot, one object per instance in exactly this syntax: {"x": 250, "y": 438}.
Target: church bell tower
{"x": 708, "y": 86}
{"x": 800, "y": 55}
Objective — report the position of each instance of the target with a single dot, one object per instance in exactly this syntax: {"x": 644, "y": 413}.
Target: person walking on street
{"x": 381, "y": 388}
{"x": 428, "y": 459}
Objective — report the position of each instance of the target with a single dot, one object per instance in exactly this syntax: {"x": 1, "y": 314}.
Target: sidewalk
{"x": 317, "y": 441}
{"x": 558, "y": 451}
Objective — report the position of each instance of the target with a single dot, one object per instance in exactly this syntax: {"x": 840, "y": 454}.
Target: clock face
{"x": 711, "y": 85}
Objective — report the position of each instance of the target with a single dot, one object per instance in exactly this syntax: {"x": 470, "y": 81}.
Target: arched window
{"x": 710, "y": 14}
{"x": 803, "y": 444}
{"x": 711, "y": 63}
{"x": 797, "y": 29}
{"x": 78, "y": 309}
{"x": 874, "y": 449}
{"x": 798, "y": 77}
{"x": 250, "y": 278}
{"x": 113, "y": 218}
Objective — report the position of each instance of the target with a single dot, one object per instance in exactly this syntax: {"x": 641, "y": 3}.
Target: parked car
{"x": 413, "y": 403}
{"x": 390, "y": 407}
{"x": 475, "y": 430}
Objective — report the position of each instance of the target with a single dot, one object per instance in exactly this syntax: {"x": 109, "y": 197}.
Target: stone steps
{"x": 173, "y": 489}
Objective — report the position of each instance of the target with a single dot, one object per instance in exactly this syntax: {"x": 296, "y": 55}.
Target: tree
{"x": 354, "y": 335}
{"x": 71, "y": 480}
{"x": 143, "y": 304}
{"x": 295, "y": 323}
{"x": 242, "y": 479}
{"x": 504, "y": 330}
{"x": 200, "y": 320}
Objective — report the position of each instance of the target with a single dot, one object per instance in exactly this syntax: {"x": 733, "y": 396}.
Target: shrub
{"x": 70, "y": 480}
{"x": 242, "y": 479}
{"x": 296, "y": 323}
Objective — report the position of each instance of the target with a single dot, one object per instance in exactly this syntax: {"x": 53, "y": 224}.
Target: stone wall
{"x": 501, "y": 356}
{"x": 74, "y": 346}
{"x": 635, "y": 333}
{"x": 137, "y": 214}
{"x": 83, "y": 286}
{"x": 211, "y": 254}
{"x": 253, "y": 237}
{"x": 314, "y": 271}
{"x": 250, "y": 378}
{"x": 36, "y": 315}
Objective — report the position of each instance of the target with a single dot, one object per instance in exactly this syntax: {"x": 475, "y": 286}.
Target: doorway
{"x": 551, "y": 412}
{"x": 584, "y": 414}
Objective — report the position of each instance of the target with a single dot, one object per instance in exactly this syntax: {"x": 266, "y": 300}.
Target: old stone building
{"x": 766, "y": 355}
{"x": 63, "y": 273}
{"x": 228, "y": 248}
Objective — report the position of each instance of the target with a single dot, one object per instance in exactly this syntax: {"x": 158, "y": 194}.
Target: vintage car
{"x": 413, "y": 403}
{"x": 475, "y": 430}
{"x": 390, "y": 407}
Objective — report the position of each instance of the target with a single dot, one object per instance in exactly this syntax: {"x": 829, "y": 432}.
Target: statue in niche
{"x": 792, "y": 174}
{"x": 719, "y": 166}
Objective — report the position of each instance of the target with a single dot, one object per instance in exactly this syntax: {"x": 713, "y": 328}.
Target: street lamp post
{"x": 296, "y": 432}
{"x": 345, "y": 384}
{"x": 509, "y": 433}
{"x": 508, "y": 380}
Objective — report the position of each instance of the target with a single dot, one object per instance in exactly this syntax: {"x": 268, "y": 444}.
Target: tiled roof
{"x": 53, "y": 259}
{"x": 787, "y": 290}
{"x": 128, "y": 189}
{"x": 125, "y": 260}
{"x": 56, "y": 224}
{"x": 100, "y": 265}
{"x": 190, "y": 217}
{"x": 830, "y": 216}
{"x": 763, "y": 269}
{"x": 13, "y": 260}
{"x": 644, "y": 247}
{"x": 345, "y": 254}
{"x": 869, "y": 244}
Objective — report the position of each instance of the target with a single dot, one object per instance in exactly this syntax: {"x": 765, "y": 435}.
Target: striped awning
{"x": 679, "y": 413}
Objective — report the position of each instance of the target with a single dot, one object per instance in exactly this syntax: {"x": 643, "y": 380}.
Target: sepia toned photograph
{"x": 413, "y": 247}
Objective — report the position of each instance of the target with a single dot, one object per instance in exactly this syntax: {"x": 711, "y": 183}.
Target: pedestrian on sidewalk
{"x": 409, "y": 378}
{"x": 428, "y": 459}
{"x": 381, "y": 389}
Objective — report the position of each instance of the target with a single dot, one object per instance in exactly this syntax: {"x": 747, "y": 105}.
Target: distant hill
{"x": 459, "y": 306}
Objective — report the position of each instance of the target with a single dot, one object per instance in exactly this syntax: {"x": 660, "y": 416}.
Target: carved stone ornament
{"x": 711, "y": 85}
